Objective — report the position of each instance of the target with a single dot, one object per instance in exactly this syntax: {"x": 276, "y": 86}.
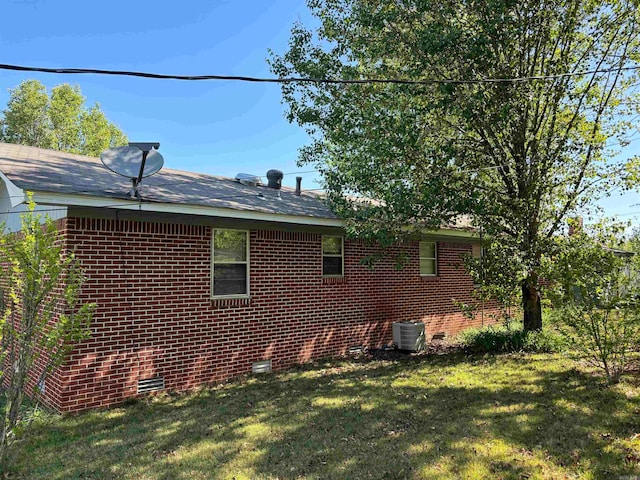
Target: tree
{"x": 98, "y": 133}
{"x": 42, "y": 316}
{"x": 59, "y": 121}
{"x": 65, "y": 111}
{"x": 518, "y": 157}
{"x": 25, "y": 118}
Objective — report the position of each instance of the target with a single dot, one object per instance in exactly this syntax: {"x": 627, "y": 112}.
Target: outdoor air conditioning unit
{"x": 409, "y": 336}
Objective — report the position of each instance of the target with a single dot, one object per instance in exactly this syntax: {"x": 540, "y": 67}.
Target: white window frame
{"x": 333, "y": 255}
{"x": 477, "y": 251}
{"x": 246, "y": 262}
{"x": 434, "y": 258}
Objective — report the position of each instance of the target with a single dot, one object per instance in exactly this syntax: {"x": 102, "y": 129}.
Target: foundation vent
{"x": 263, "y": 366}
{"x": 150, "y": 385}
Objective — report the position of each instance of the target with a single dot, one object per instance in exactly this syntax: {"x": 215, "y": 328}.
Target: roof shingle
{"x": 41, "y": 170}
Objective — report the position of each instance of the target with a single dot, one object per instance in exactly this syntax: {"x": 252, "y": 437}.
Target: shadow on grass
{"x": 443, "y": 417}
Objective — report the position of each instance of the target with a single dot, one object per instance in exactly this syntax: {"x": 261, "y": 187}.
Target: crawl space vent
{"x": 150, "y": 384}
{"x": 263, "y": 366}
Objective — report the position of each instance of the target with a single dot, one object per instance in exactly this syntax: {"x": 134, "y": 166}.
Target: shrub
{"x": 42, "y": 316}
{"x": 595, "y": 298}
{"x": 505, "y": 339}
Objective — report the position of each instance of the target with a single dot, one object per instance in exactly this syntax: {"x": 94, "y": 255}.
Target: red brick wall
{"x": 155, "y": 317}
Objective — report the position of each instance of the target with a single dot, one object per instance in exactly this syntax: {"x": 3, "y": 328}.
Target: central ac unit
{"x": 409, "y": 336}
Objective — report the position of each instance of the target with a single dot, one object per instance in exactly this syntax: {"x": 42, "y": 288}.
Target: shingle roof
{"x": 41, "y": 170}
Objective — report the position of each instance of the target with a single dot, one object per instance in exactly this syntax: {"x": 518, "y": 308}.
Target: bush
{"x": 603, "y": 337}
{"x": 594, "y": 296}
{"x": 505, "y": 339}
{"x": 41, "y": 317}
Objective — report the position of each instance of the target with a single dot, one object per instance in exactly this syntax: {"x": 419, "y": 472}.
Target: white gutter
{"x": 185, "y": 209}
{"x": 48, "y": 198}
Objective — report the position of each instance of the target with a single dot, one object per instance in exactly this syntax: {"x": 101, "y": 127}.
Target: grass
{"x": 433, "y": 417}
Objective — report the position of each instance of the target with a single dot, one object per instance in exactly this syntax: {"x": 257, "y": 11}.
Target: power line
{"x": 300, "y": 173}
{"x": 335, "y": 81}
{"x": 626, "y": 214}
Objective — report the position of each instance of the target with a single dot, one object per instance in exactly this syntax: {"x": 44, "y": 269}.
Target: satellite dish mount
{"x": 146, "y": 148}
{"x": 138, "y": 160}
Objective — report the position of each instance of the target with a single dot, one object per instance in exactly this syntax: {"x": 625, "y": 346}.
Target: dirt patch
{"x": 389, "y": 353}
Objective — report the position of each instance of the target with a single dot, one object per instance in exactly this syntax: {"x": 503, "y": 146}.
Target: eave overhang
{"x": 67, "y": 199}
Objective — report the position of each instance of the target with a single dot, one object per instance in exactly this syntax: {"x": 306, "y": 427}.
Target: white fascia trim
{"x": 48, "y": 198}
{"x": 16, "y": 194}
{"x": 443, "y": 232}
{"x": 113, "y": 203}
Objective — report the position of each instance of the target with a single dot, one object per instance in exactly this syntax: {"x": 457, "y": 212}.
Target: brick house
{"x": 205, "y": 278}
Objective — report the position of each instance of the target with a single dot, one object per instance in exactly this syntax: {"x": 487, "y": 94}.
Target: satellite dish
{"x": 135, "y": 162}
{"x": 126, "y": 161}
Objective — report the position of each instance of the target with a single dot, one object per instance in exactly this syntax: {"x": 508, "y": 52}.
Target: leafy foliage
{"x": 42, "y": 316}
{"x": 59, "y": 121}
{"x": 493, "y": 272}
{"x": 595, "y": 298}
{"x": 508, "y": 338}
{"x": 516, "y": 157}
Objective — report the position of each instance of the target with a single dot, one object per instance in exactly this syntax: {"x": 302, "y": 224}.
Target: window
{"x": 230, "y": 263}
{"x": 332, "y": 256}
{"x": 428, "y": 258}
{"x": 477, "y": 251}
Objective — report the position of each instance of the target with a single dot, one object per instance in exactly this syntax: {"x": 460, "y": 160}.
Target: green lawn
{"x": 426, "y": 417}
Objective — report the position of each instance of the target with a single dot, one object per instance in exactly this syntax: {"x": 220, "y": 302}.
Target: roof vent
{"x": 275, "y": 179}
{"x": 298, "y": 186}
{"x": 248, "y": 179}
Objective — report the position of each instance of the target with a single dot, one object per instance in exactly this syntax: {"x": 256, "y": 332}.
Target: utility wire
{"x": 626, "y": 214}
{"x": 242, "y": 78}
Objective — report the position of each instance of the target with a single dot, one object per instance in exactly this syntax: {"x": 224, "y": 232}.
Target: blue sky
{"x": 211, "y": 127}
{"x": 214, "y": 127}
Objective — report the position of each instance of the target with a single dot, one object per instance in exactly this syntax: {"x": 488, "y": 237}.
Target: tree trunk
{"x": 531, "y": 307}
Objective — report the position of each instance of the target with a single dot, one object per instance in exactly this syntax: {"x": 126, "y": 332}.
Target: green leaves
{"x": 65, "y": 112}
{"x": 59, "y": 121}
{"x": 42, "y": 316}
{"x": 25, "y": 119}
{"x": 594, "y": 297}
{"x": 519, "y": 157}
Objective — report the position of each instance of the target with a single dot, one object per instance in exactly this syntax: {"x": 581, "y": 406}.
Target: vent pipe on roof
{"x": 298, "y": 186}
{"x": 275, "y": 179}
{"x": 248, "y": 179}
